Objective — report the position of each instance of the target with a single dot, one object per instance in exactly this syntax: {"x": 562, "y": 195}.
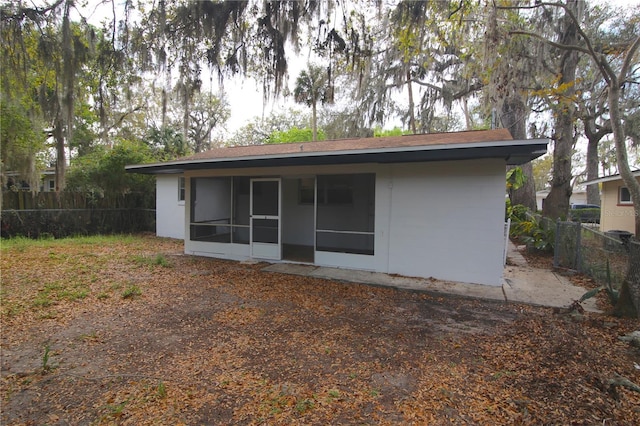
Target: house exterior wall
{"x": 443, "y": 220}
{"x": 447, "y": 221}
{"x": 577, "y": 197}
{"x": 613, "y": 215}
{"x": 170, "y": 212}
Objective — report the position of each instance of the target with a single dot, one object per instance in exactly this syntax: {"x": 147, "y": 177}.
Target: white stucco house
{"x": 578, "y": 196}
{"x": 419, "y": 205}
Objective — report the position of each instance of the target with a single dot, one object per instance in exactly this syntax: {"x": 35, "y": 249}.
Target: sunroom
{"x": 285, "y": 217}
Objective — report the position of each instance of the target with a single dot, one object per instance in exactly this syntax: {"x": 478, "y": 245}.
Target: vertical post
{"x": 507, "y": 228}
{"x": 578, "y": 266}
{"x": 556, "y": 249}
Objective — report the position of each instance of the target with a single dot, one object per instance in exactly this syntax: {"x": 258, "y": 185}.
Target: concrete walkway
{"x": 521, "y": 283}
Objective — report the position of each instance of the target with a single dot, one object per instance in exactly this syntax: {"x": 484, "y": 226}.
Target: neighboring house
{"x": 616, "y": 207}
{"x": 578, "y": 196}
{"x": 47, "y": 182}
{"x": 419, "y": 205}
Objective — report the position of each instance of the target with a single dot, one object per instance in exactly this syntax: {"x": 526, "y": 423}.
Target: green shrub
{"x": 533, "y": 232}
{"x": 591, "y": 215}
{"x": 517, "y": 212}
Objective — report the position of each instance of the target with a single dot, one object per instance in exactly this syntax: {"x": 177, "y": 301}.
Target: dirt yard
{"x": 128, "y": 331}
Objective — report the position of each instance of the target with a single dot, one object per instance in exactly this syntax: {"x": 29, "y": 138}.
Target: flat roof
{"x": 466, "y": 145}
{"x": 635, "y": 173}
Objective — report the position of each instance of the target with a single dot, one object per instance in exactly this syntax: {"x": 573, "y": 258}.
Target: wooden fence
{"x": 59, "y": 215}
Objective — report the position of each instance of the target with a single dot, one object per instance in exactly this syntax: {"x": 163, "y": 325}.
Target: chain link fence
{"x": 607, "y": 257}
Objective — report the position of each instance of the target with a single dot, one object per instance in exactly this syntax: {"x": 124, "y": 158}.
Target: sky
{"x": 245, "y": 95}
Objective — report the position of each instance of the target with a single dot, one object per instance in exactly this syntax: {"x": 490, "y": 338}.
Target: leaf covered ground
{"x": 126, "y": 330}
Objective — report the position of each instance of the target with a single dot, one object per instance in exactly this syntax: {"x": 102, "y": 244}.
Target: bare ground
{"x": 215, "y": 342}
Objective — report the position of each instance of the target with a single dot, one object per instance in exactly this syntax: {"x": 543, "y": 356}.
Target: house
{"x": 578, "y": 196}
{"x": 14, "y": 181}
{"x": 616, "y": 208}
{"x": 417, "y": 205}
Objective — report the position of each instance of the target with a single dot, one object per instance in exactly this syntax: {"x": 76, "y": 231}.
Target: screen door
{"x": 265, "y": 219}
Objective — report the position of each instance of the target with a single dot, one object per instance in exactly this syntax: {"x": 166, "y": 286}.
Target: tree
{"x": 258, "y": 130}
{"x": 312, "y": 87}
{"x": 46, "y": 55}
{"x": 167, "y": 143}
{"x": 542, "y": 172}
{"x": 205, "y": 113}
{"x": 21, "y": 145}
{"x": 102, "y": 171}
{"x": 558, "y": 200}
{"x": 295, "y": 135}
{"x": 618, "y": 67}
{"x": 510, "y": 67}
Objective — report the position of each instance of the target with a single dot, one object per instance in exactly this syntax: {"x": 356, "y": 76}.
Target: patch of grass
{"x": 304, "y": 405}
{"x": 75, "y": 294}
{"x": 116, "y": 410}
{"x": 503, "y": 373}
{"x": 91, "y": 337}
{"x": 102, "y": 296}
{"x": 42, "y": 300}
{"x": 158, "y": 260}
{"x": 131, "y": 292}
{"x": 162, "y": 390}
{"x": 46, "y": 358}
{"x": 60, "y": 290}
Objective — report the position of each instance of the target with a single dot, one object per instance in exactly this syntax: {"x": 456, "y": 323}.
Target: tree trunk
{"x": 467, "y": 115}
{"x": 593, "y": 161}
{"x": 621, "y": 153}
{"x": 314, "y": 122}
{"x": 557, "y": 202}
{"x": 412, "y": 117}
{"x": 61, "y": 158}
{"x": 514, "y": 117}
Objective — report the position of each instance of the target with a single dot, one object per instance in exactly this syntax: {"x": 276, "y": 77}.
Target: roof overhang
{"x": 513, "y": 152}
{"x": 610, "y": 178}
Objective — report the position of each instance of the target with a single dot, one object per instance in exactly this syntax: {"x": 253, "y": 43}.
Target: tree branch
{"x": 551, "y": 43}
{"x": 32, "y": 13}
{"x": 605, "y": 68}
{"x": 628, "y": 60}
{"x": 124, "y": 115}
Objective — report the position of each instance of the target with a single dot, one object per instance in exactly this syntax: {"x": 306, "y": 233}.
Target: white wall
{"x": 447, "y": 221}
{"x": 443, "y": 219}
{"x": 577, "y": 197}
{"x": 170, "y": 213}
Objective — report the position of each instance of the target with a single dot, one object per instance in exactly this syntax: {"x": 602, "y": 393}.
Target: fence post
{"x": 556, "y": 247}
{"x": 578, "y": 266}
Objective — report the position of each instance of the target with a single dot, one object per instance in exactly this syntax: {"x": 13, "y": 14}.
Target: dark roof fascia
{"x": 512, "y": 154}
{"x": 635, "y": 173}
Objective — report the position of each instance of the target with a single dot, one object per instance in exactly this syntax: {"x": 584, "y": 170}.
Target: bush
{"x": 103, "y": 172}
{"x": 532, "y": 230}
{"x": 591, "y": 215}
{"x": 517, "y": 212}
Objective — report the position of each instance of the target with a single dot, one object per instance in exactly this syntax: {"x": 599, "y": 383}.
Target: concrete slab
{"x": 386, "y": 280}
{"x": 521, "y": 283}
{"x": 541, "y": 287}
{"x": 290, "y": 268}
